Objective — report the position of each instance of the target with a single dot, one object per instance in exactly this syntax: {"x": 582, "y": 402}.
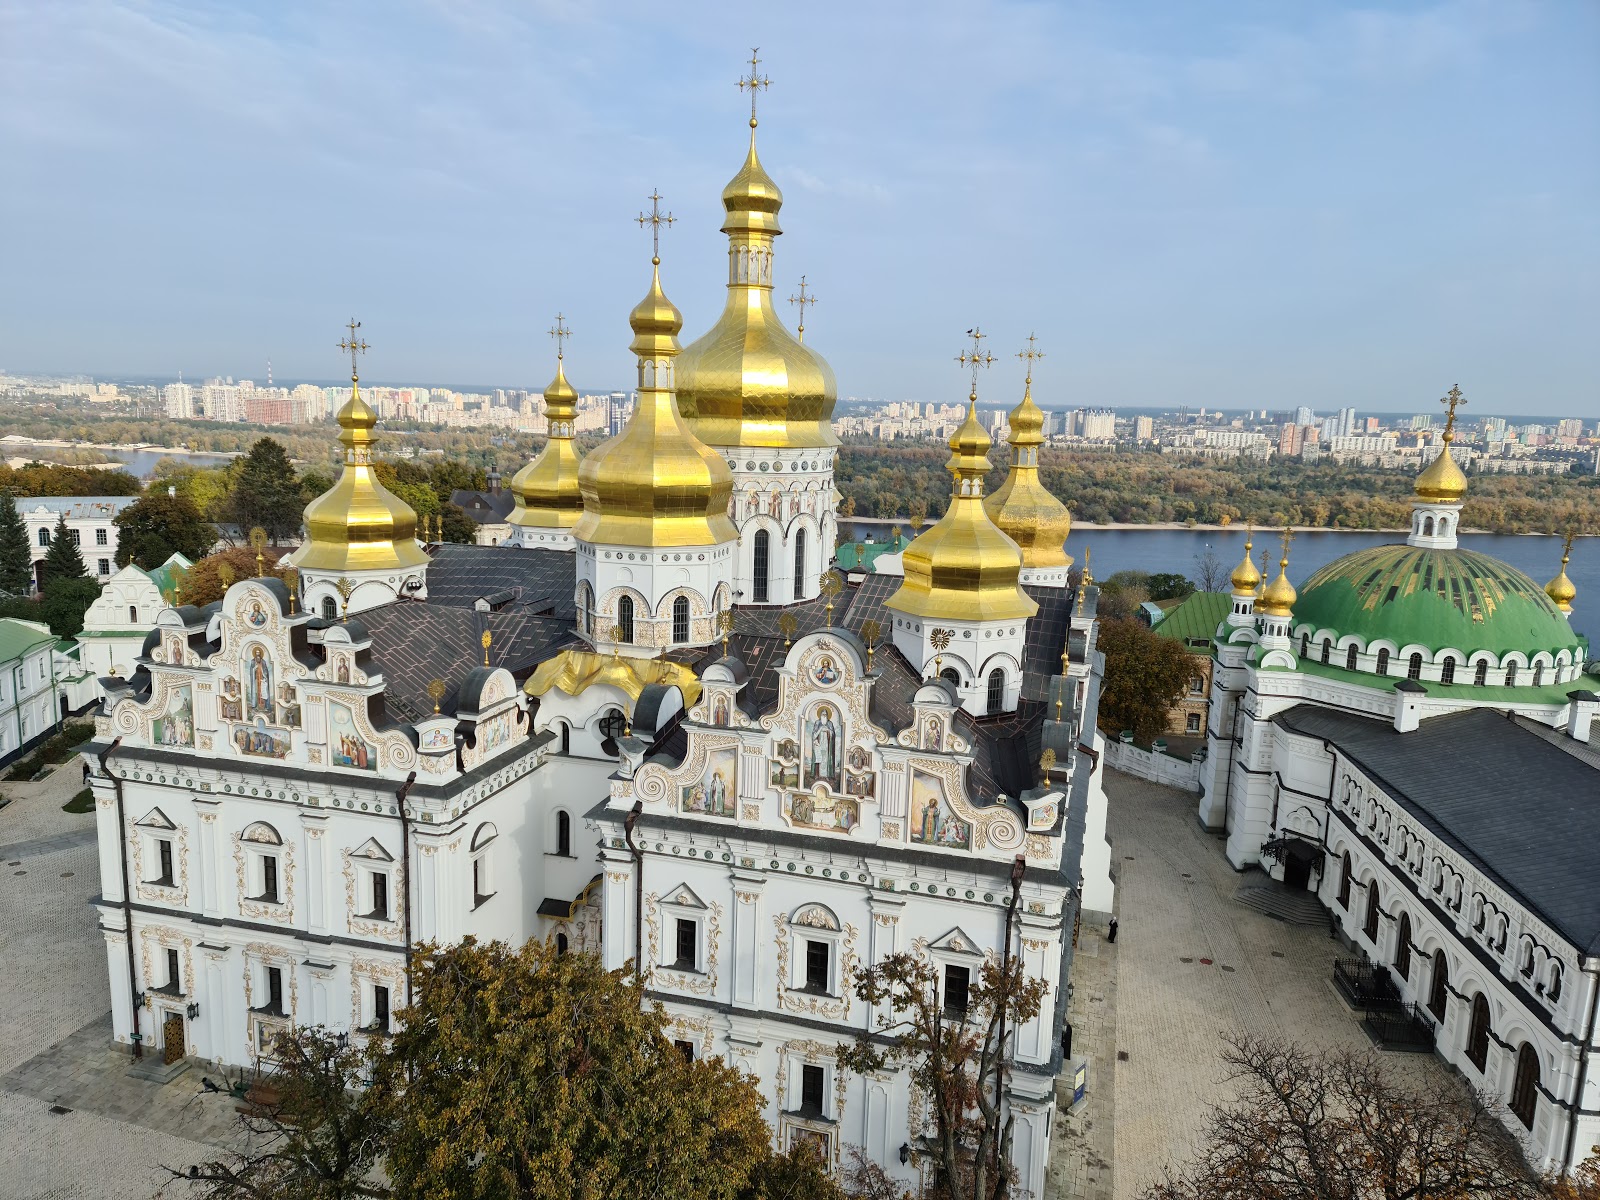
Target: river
{"x": 143, "y": 462}
{"x": 1538, "y": 555}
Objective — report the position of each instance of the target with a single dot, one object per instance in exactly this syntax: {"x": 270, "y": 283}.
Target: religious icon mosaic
{"x": 933, "y": 823}
{"x": 821, "y": 747}
{"x": 258, "y": 695}
{"x": 260, "y": 739}
{"x": 175, "y": 727}
{"x": 713, "y": 794}
{"x": 346, "y": 745}
{"x": 820, "y": 810}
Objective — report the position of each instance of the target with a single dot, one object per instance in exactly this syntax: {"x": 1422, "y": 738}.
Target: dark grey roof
{"x": 485, "y": 508}
{"x": 1523, "y": 810}
{"x": 543, "y": 581}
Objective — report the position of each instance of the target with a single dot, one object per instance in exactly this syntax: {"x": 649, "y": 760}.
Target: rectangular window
{"x": 817, "y": 956}
{"x": 269, "y": 878}
{"x": 73, "y": 534}
{"x": 164, "y": 854}
{"x": 174, "y": 974}
{"x": 275, "y": 990}
{"x": 811, "y": 1080}
{"x": 100, "y": 537}
{"x": 380, "y": 896}
{"x": 957, "y": 981}
{"x": 688, "y": 944}
{"x": 105, "y": 566}
{"x": 686, "y": 1049}
{"x": 380, "y": 1008}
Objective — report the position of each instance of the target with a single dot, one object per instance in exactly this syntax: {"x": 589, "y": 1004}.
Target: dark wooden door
{"x": 172, "y": 1048}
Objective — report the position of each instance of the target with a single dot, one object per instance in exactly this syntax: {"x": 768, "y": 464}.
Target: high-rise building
{"x": 1291, "y": 438}
{"x": 1144, "y": 428}
{"x": 1304, "y": 416}
{"x": 179, "y": 401}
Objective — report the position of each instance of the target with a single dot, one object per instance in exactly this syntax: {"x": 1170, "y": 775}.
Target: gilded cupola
{"x": 749, "y": 381}
{"x": 1278, "y": 597}
{"x": 1442, "y": 481}
{"x": 358, "y": 524}
{"x": 1246, "y": 579}
{"x": 655, "y": 483}
{"x": 1022, "y": 506}
{"x": 1560, "y": 589}
{"x": 964, "y": 567}
{"x": 546, "y": 491}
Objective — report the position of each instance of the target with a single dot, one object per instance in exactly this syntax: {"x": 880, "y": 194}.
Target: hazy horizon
{"x": 1332, "y": 206}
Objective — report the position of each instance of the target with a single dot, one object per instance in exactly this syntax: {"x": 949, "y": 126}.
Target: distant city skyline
{"x": 1252, "y": 208}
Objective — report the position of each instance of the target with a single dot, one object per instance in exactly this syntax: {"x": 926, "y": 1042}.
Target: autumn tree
{"x": 957, "y": 1059}
{"x": 209, "y": 489}
{"x": 155, "y": 527}
{"x": 458, "y": 527}
{"x": 1145, "y": 676}
{"x": 210, "y": 578}
{"x": 16, "y": 555}
{"x": 1333, "y": 1125}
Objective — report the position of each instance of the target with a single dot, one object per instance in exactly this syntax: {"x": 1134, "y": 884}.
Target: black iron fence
{"x": 1365, "y": 985}
{"x": 1406, "y": 1027}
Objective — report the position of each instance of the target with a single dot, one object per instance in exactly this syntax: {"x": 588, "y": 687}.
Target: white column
{"x": 121, "y": 986}
{"x": 617, "y": 912}
{"x": 748, "y": 911}
{"x": 317, "y": 873}
{"x": 110, "y": 840}
{"x": 425, "y": 866}
{"x": 208, "y": 855}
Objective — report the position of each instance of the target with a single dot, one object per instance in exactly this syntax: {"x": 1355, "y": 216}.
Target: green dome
{"x": 1434, "y": 598}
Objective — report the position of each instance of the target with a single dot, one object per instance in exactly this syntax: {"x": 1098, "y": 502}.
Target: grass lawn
{"x": 83, "y": 802}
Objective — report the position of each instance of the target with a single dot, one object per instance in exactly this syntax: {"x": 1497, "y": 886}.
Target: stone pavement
{"x": 1080, "y": 1152}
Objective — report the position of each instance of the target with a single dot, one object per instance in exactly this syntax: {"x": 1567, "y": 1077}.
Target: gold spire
{"x": 655, "y": 483}
{"x": 749, "y": 381}
{"x": 358, "y": 524}
{"x": 546, "y": 490}
{"x": 1277, "y": 600}
{"x": 964, "y": 567}
{"x": 1022, "y": 506}
{"x": 1246, "y": 579}
{"x": 1443, "y": 481}
{"x": 1560, "y": 589}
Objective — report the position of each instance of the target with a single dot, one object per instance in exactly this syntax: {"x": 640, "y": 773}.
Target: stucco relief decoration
{"x": 373, "y": 971}
{"x": 386, "y": 930}
{"x": 143, "y": 887}
{"x": 833, "y": 1008}
{"x": 806, "y": 1051}
{"x": 696, "y": 1031}
{"x": 847, "y": 697}
{"x": 153, "y": 939}
{"x": 942, "y": 817}
{"x": 281, "y": 913}
{"x": 665, "y": 976}
{"x": 267, "y": 955}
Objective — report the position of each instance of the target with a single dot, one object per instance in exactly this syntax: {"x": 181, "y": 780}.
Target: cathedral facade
{"x": 654, "y": 726}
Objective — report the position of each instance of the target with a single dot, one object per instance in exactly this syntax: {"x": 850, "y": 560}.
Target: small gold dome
{"x": 1442, "y": 481}
{"x": 1279, "y": 597}
{"x": 546, "y": 491}
{"x": 752, "y": 199}
{"x": 655, "y": 483}
{"x": 358, "y": 524}
{"x": 1246, "y": 579}
{"x": 1022, "y": 507}
{"x": 1560, "y": 589}
{"x": 964, "y": 568}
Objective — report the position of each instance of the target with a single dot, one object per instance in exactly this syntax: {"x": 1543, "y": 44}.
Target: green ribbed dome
{"x": 1434, "y": 598}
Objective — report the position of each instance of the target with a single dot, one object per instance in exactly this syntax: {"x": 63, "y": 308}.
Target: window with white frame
{"x": 483, "y": 864}
{"x": 818, "y": 967}
{"x": 374, "y": 870}
{"x": 814, "y": 950}
{"x": 683, "y": 928}
{"x": 100, "y": 538}
{"x": 957, "y": 989}
{"x": 263, "y": 864}
{"x": 810, "y": 1099}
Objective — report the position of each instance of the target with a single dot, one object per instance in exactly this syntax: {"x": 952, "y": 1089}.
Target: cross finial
{"x": 802, "y": 300}
{"x": 655, "y": 220}
{"x": 1288, "y": 536}
{"x": 754, "y": 82}
{"x": 561, "y": 333}
{"x": 354, "y": 345}
{"x": 1031, "y": 355}
{"x": 978, "y": 358}
{"x": 1452, "y": 400}
{"x": 1566, "y": 546}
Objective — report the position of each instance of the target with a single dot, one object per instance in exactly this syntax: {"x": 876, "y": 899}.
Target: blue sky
{"x": 1245, "y": 204}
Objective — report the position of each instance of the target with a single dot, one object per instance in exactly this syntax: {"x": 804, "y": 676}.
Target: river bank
{"x": 1183, "y": 526}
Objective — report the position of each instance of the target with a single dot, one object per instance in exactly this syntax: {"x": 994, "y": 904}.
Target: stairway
{"x": 1294, "y": 906}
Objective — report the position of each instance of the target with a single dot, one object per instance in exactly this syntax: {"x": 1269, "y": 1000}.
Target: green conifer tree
{"x": 16, "y": 558}
{"x": 62, "y": 561}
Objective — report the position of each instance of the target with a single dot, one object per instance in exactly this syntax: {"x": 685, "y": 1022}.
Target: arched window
{"x": 1427, "y": 526}
{"x": 1511, "y": 675}
{"x": 564, "y": 834}
{"x": 1402, "y": 952}
{"x": 330, "y": 608}
{"x": 997, "y": 690}
{"x": 1344, "y": 880}
{"x": 1305, "y": 645}
{"x": 1439, "y": 988}
{"x": 1371, "y": 926}
{"x": 1538, "y": 675}
{"x": 1553, "y": 992}
{"x": 561, "y": 943}
{"x": 586, "y": 608}
{"x": 680, "y": 619}
{"x": 760, "y": 555}
{"x": 1327, "y": 650}
{"x": 1481, "y": 675}
{"x": 1350, "y": 659}
{"x": 1414, "y": 666}
{"x": 952, "y": 675}
{"x": 1478, "y": 1033}
{"x": 1525, "y": 1086}
{"x": 44, "y": 537}
{"x": 611, "y": 728}
{"x": 625, "y": 617}
{"x": 800, "y": 564}
{"x": 1447, "y": 672}
{"x": 1383, "y": 662}
{"x": 566, "y": 738}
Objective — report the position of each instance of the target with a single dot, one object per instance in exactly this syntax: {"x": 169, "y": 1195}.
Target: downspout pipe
{"x": 1018, "y": 866}
{"x": 127, "y": 893}
{"x": 405, "y": 867}
{"x": 637, "y": 851}
{"x": 1584, "y": 1051}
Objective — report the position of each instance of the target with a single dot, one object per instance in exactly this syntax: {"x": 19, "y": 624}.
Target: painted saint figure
{"x": 822, "y": 748}
{"x": 258, "y": 695}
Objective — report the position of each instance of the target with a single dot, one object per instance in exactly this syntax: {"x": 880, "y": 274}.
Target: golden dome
{"x": 1442, "y": 481}
{"x": 1279, "y": 597}
{"x": 1022, "y": 507}
{"x": 546, "y": 490}
{"x": 655, "y": 483}
{"x": 1246, "y": 579}
{"x": 358, "y": 524}
{"x": 964, "y": 568}
{"x": 1560, "y": 589}
{"x": 749, "y": 381}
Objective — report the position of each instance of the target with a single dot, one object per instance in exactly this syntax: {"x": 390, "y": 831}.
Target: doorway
{"x": 172, "y": 1047}
{"x": 1296, "y": 869}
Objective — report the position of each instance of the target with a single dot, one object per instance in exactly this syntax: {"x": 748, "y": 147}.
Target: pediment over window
{"x": 958, "y": 941}
{"x": 816, "y": 916}
{"x": 684, "y": 897}
{"x": 370, "y": 849}
{"x": 155, "y": 819}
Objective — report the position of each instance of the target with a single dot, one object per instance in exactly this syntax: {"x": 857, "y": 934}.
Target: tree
{"x": 16, "y": 556}
{"x": 209, "y": 489}
{"x": 458, "y": 527}
{"x": 1145, "y": 676}
{"x": 1209, "y": 570}
{"x": 1123, "y": 594}
{"x": 1332, "y": 1125}
{"x": 155, "y": 527}
{"x": 917, "y": 515}
{"x": 62, "y": 560}
{"x": 266, "y": 492}
{"x": 63, "y": 603}
{"x": 956, "y": 1058}
{"x": 1166, "y": 585}
{"x": 210, "y": 578}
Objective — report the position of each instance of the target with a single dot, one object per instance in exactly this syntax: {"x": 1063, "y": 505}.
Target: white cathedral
{"x": 652, "y": 726}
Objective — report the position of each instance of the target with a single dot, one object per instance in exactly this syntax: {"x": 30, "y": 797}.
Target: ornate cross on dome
{"x": 1031, "y": 355}
{"x": 978, "y": 358}
{"x": 354, "y": 345}
{"x": 754, "y": 82}
{"x": 561, "y": 333}
{"x": 802, "y": 300}
{"x": 1288, "y": 536}
{"x": 1452, "y": 400}
{"x": 1566, "y": 546}
{"x": 655, "y": 220}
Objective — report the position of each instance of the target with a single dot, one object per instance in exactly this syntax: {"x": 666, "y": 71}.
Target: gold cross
{"x": 655, "y": 220}
{"x": 754, "y": 82}
{"x": 1452, "y": 400}
{"x": 1566, "y": 546}
{"x": 354, "y": 345}
{"x": 978, "y": 358}
{"x": 1288, "y": 536}
{"x": 561, "y": 333}
{"x": 1031, "y": 355}
{"x": 802, "y": 300}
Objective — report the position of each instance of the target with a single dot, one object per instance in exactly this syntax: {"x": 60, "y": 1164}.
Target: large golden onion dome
{"x": 1442, "y": 481}
{"x": 964, "y": 568}
{"x": 1022, "y": 507}
{"x": 358, "y": 524}
{"x": 1246, "y": 579}
{"x": 655, "y": 483}
{"x": 1277, "y": 599}
{"x": 546, "y": 491}
{"x": 749, "y": 381}
{"x": 1560, "y": 589}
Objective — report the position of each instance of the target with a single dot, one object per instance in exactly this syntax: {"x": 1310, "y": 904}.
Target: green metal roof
{"x": 859, "y": 556}
{"x": 1433, "y": 598}
{"x": 1196, "y": 617}
{"x": 1496, "y": 694}
{"x": 19, "y": 637}
{"x": 162, "y": 575}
